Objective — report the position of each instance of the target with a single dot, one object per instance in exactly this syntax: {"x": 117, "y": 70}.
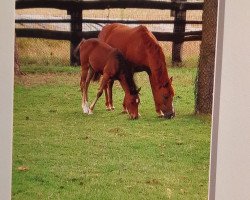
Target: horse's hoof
{"x": 85, "y": 110}
{"x": 108, "y": 109}
{"x": 90, "y": 112}
{"x": 124, "y": 112}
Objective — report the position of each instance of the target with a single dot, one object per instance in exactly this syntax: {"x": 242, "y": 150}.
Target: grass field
{"x": 60, "y": 153}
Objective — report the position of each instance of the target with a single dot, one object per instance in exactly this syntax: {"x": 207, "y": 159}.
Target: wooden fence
{"x": 74, "y": 9}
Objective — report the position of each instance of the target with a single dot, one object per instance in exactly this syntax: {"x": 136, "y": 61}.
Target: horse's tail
{"x": 76, "y": 50}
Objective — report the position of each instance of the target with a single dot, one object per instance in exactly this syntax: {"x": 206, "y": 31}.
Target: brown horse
{"x": 140, "y": 47}
{"x": 99, "y": 58}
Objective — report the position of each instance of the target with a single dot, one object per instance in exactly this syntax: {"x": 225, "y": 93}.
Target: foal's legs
{"x": 88, "y": 79}
{"x": 85, "y": 68}
{"x": 106, "y": 97}
{"x": 124, "y": 85}
{"x": 87, "y": 74}
{"x": 109, "y": 96}
{"x": 103, "y": 84}
{"x": 124, "y": 111}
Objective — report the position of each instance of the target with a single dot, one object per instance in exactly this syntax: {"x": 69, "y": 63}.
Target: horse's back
{"x": 132, "y": 41}
{"x": 98, "y": 54}
{"x": 121, "y": 35}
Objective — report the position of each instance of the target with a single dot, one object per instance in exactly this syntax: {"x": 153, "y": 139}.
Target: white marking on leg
{"x": 173, "y": 108}
{"x": 86, "y": 108}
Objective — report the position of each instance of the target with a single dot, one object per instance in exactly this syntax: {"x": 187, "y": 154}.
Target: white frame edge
{"x": 230, "y": 139}
{"x": 7, "y": 9}
{"x": 216, "y": 100}
{"x": 7, "y": 29}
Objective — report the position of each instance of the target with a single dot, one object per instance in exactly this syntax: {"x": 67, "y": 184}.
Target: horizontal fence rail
{"x": 66, "y": 35}
{"x": 108, "y": 21}
{"x": 74, "y": 9}
{"x": 106, "y": 4}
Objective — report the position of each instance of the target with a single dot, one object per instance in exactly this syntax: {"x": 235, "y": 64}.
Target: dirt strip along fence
{"x": 75, "y": 8}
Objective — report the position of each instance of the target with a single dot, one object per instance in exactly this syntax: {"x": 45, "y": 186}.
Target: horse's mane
{"x": 126, "y": 68}
{"x": 156, "y": 51}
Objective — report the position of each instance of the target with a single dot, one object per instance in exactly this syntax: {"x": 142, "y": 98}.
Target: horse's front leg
{"x": 154, "y": 92}
{"x": 103, "y": 84}
{"x": 124, "y": 111}
{"x": 158, "y": 111}
{"x": 109, "y": 104}
{"x": 106, "y": 98}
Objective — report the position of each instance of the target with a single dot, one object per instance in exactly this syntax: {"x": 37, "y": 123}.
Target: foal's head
{"x": 131, "y": 99}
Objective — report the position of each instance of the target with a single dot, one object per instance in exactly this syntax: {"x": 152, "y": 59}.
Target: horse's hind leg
{"x": 88, "y": 74}
{"x": 103, "y": 84}
{"x": 85, "y": 68}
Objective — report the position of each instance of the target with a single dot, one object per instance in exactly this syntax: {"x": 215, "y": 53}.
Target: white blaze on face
{"x": 137, "y": 100}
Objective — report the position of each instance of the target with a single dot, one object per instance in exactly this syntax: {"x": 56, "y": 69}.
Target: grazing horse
{"x": 99, "y": 58}
{"x": 140, "y": 47}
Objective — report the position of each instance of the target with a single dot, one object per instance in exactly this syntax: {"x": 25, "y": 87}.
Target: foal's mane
{"x": 126, "y": 68}
{"x": 156, "y": 52}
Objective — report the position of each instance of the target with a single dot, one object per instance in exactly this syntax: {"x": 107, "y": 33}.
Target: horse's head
{"x": 164, "y": 97}
{"x": 131, "y": 103}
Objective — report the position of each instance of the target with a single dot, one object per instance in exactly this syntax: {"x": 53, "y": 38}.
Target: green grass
{"x": 69, "y": 155}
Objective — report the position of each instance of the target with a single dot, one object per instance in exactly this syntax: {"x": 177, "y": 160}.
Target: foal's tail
{"x": 76, "y": 50}
{"x": 96, "y": 77}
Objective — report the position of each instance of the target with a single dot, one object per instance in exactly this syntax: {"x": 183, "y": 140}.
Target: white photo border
{"x": 7, "y": 31}
{"x": 7, "y": 17}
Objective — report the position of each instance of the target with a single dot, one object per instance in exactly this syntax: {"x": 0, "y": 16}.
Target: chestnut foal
{"x": 99, "y": 58}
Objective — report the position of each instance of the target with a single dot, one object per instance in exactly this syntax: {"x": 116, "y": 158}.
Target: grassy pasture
{"x": 60, "y": 153}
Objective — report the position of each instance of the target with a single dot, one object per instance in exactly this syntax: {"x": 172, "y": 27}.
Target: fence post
{"x": 179, "y": 28}
{"x": 172, "y": 12}
{"x": 76, "y": 29}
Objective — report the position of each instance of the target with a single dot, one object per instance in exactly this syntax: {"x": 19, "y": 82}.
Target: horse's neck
{"x": 158, "y": 68}
{"x": 155, "y": 58}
